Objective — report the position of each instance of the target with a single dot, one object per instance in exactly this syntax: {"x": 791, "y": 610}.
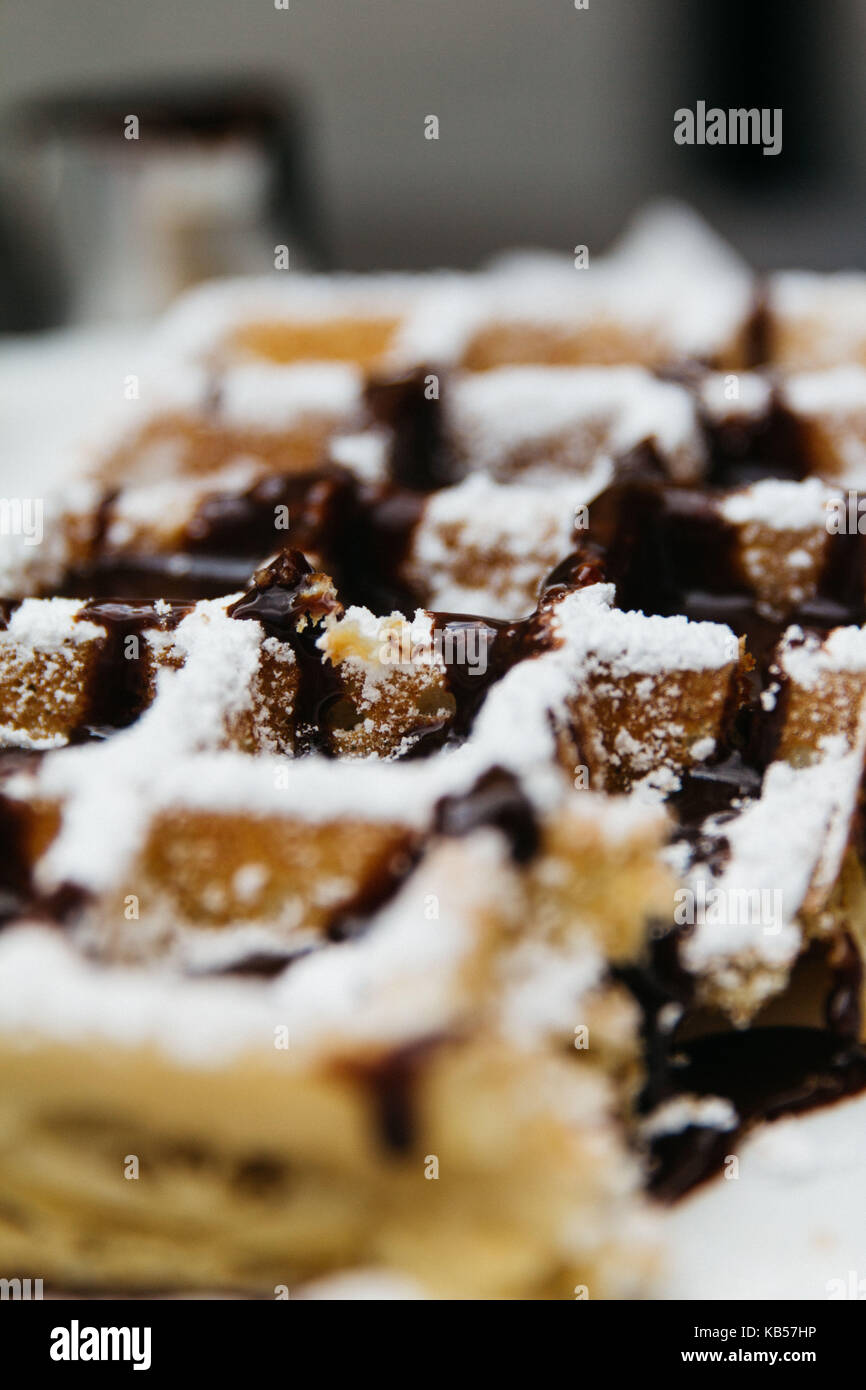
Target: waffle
{"x": 669, "y": 292}
{"x": 435, "y": 705}
{"x": 360, "y": 1143}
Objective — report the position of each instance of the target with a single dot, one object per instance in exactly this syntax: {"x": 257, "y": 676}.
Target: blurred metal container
{"x": 127, "y": 198}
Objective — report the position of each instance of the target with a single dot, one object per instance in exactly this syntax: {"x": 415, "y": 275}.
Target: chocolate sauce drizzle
{"x": 358, "y": 533}
{"x": 178, "y": 576}
{"x": 259, "y": 965}
{"x": 368, "y": 539}
{"x": 119, "y": 688}
{"x": 7, "y": 608}
{"x": 666, "y": 549}
{"x": 477, "y": 652}
{"x": 496, "y": 800}
{"x": 290, "y": 608}
{"x": 16, "y": 886}
{"x": 420, "y": 457}
{"x": 226, "y": 540}
{"x": 744, "y": 449}
{"x": 669, "y": 550}
{"x": 393, "y": 1084}
{"x": 765, "y": 1071}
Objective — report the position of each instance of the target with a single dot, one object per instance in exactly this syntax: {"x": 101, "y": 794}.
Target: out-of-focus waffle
{"x": 354, "y": 1111}
{"x": 669, "y": 292}
{"x": 467, "y": 674}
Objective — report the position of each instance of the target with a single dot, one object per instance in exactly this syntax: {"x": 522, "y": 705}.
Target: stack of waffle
{"x": 433, "y": 728}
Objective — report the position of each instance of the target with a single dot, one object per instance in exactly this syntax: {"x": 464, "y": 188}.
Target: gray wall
{"x": 554, "y": 122}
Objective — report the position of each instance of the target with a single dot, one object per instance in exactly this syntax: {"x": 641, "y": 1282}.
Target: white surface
{"x": 790, "y": 1224}
{"x": 54, "y": 391}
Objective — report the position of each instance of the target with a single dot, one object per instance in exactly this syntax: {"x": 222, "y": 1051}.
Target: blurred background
{"x": 304, "y": 125}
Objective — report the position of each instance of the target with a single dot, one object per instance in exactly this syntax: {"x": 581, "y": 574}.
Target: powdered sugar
{"x": 682, "y": 1112}
{"x": 543, "y": 987}
{"x": 579, "y": 412}
{"x": 805, "y": 658}
{"x": 405, "y": 978}
{"x": 171, "y": 757}
{"x": 46, "y": 986}
{"x": 204, "y": 318}
{"x": 782, "y": 505}
{"x": 824, "y": 313}
{"x": 25, "y": 568}
{"x": 48, "y": 625}
{"x": 511, "y": 536}
{"x": 787, "y": 844}
{"x": 834, "y": 389}
{"x": 166, "y": 506}
{"x": 269, "y": 396}
{"x": 670, "y": 279}
{"x": 364, "y": 454}
{"x": 626, "y": 644}
{"x": 734, "y": 396}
